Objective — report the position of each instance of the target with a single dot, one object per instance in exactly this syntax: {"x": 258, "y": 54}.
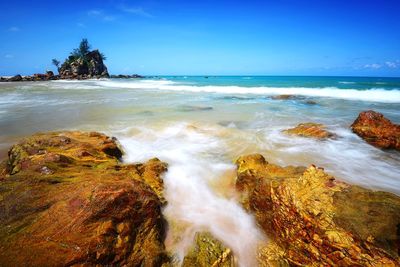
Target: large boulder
{"x": 315, "y": 220}
{"x": 96, "y": 66}
{"x": 377, "y": 130}
{"x": 65, "y": 199}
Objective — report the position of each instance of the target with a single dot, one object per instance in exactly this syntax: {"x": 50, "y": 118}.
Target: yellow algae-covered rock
{"x": 67, "y": 200}
{"x": 315, "y": 220}
{"x": 208, "y": 252}
{"x": 311, "y": 130}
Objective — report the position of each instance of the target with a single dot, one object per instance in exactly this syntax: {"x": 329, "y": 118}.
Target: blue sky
{"x": 282, "y": 37}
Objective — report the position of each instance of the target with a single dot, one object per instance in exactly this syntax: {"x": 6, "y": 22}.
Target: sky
{"x": 282, "y": 37}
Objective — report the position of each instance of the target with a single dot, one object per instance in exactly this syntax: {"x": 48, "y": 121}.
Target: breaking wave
{"x": 373, "y": 95}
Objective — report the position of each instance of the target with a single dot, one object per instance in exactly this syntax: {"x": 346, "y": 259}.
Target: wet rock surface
{"x": 315, "y": 220}
{"x": 377, "y": 130}
{"x": 285, "y": 97}
{"x": 66, "y": 200}
{"x": 310, "y": 130}
{"x": 208, "y": 251}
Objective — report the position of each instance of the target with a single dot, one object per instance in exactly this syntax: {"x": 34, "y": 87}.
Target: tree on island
{"x": 82, "y": 50}
{"x": 82, "y": 63}
{"x": 56, "y": 63}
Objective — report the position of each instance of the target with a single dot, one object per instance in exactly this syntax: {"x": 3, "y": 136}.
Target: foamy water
{"x": 194, "y": 163}
{"x": 200, "y": 126}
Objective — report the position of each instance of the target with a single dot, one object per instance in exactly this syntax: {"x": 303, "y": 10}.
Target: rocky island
{"x": 81, "y": 64}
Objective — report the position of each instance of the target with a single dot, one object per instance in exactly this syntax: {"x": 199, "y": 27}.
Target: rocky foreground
{"x": 67, "y": 200}
{"x": 313, "y": 219}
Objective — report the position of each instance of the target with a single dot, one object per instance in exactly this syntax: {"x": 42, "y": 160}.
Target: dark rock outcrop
{"x": 96, "y": 67}
{"x": 123, "y": 76}
{"x": 377, "y": 130}
{"x": 49, "y": 75}
{"x": 66, "y": 200}
{"x": 315, "y": 220}
{"x": 16, "y": 78}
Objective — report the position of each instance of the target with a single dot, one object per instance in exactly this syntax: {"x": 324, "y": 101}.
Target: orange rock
{"x": 315, "y": 220}
{"x": 377, "y": 130}
{"x": 88, "y": 209}
{"x": 313, "y": 130}
{"x": 284, "y": 97}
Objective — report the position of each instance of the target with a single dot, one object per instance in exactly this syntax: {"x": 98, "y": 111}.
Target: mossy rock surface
{"x": 208, "y": 251}
{"x": 315, "y": 220}
{"x": 66, "y": 199}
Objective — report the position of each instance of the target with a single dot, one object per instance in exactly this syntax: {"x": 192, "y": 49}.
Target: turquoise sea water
{"x": 359, "y": 83}
{"x": 200, "y": 125}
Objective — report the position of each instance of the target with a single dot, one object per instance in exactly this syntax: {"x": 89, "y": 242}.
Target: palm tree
{"x": 82, "y": 50}
{"x": 55, "y": 62}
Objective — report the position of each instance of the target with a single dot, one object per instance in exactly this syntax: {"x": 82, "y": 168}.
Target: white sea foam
{"x": 348, "y": 158}
{"x": 193, "y": 164}
{"x": 374, "y": 95}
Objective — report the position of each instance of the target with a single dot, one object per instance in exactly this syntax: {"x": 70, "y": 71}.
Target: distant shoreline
{"x": 49, "y": 76}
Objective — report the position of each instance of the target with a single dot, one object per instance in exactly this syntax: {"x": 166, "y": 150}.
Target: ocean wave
{"x": 373, "y": 95}
{"x": 347, "y": 82}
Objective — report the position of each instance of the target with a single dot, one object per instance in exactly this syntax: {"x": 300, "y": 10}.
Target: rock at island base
{"x": 66, "y": 200}
{"x": 377, "y": 130}
{"x": 311, "y": 130}
{"x": 16, "y": 78}
{"x": 315, "y": 220}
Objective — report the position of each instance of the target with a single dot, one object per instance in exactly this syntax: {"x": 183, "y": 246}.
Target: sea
{"x": 200, "y": 125}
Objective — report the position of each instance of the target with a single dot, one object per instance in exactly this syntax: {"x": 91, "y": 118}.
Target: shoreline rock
{"x": 310, "y": 130}
{"x": 124, "y": 76}
{"x": 377, "y": 130}
{"x": 313, "y": 219}
{"x": 46, "y": 77}
{"x": 67, "y": 194}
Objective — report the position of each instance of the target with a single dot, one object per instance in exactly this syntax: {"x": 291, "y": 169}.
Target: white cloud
{"x": 100, "y": 14}
{"x": 109, "y": 18}
{"x": 392, "y": 64}
{"x": 136, "y": 11}
{"x": 373, "y": 66}
{"x": 14, "y": 29}
{"x": 95, "y": 12}
{"x": 9, "y": 56}
{"x": 81, "y": 25}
